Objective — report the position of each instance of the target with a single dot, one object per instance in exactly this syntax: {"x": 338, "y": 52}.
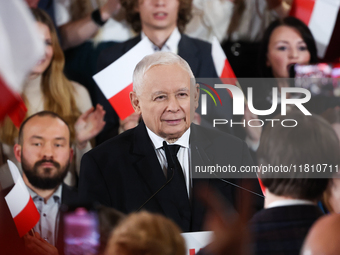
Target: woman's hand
{"x": 89, "y": 124}
{"x": 129, "y": 122}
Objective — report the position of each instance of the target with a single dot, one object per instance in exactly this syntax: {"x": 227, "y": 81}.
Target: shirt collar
{"x": 170, "y": 45}
{"x": 158, "y": 141}
{"x": 288, "y": 202}
{"x": 56, "y": 195}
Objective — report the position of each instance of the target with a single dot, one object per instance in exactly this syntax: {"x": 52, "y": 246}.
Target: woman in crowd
{"x": 47, "y": 88}
{"x": 285, "y": 42}
{"x": 146, "y": 234}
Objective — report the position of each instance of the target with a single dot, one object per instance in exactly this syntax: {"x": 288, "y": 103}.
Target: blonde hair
{"x": 146, "y": 234}
{"x": 56, "y": 88}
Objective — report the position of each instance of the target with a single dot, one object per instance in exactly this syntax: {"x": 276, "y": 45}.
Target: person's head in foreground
{"x": 311, "y": 142}
{"x": 286, "y": 42}
{"x": 323, "y": 238}
{"x": 331, "y": 197}
{"x": 44, "y": 150}
{"x": 144, "y": 233}
{"x": 157, "y": 15}
{"x": 165, "y": 94}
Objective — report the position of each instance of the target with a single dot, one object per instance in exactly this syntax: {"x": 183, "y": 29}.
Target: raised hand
{"x": 129, "y": 122}
{"x": 89, "y": 124}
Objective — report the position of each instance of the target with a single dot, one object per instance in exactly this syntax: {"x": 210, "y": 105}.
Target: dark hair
{"x": 292, "y": 22}
{"x": 133, "y": 17}
{"x": 313, "y": 141}
{"x": 41, "y": 114}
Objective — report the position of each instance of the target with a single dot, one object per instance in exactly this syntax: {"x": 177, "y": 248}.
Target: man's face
{"x": 158, "y": 14}
{"x": 164, "y": 101}
{"x": 45, "y": 152}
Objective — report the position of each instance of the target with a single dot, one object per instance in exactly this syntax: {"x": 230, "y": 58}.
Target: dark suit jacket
{"x": 198, "y": 55}
{"x": 282, "y": 230}
{"x": 69, "y": 196}
{"x": 124, "y": 172}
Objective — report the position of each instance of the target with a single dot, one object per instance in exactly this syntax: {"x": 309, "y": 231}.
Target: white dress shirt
{"x": 183, "y": 154}
{"x": 171, "y": 45}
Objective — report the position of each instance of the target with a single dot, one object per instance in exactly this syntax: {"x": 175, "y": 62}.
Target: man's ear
{"x": 196, "y": 95}
{"x": 135, "y": 102}
{"x": 71, "y": 154}
{"x": 17, "y": 152}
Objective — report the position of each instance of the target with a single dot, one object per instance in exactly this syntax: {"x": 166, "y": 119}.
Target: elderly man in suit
{"x": 161, "y": 23}
{"x": 44, "y": 151}
{"x": 134, "y": 171}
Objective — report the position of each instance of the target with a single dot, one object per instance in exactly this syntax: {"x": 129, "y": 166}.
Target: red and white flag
{"x": 20, "y": 203}
{"x": 20, "y": 49}
{"x": 115, "y": 81}
{"x": 221, "y": 62}
{"x": 321, "y": 17}
{"x": 222, "y": 66}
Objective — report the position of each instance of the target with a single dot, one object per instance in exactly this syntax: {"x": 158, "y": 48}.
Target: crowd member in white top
{"x": 48, "y": 89}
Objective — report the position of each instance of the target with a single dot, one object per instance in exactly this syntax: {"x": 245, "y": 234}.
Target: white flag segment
{"x": 21, "y": 46}
{"x": 20, "y": 203}
{"x": 322, "y": 23}
{"x": 18, "y": 197}
{"x": 115, "y": 81}
{"x": 218, "y": 56}
{"x": 220, "y": 60}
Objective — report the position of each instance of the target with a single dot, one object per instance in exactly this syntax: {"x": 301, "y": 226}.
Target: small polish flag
{"x": 20, "y": 50}
{"x": 115, "y": 81}
{"x": 222, "y": 66}
{"x": 221, "y": 62}
{"x": 20, "y": 203}
{"x": 321, "y": 17}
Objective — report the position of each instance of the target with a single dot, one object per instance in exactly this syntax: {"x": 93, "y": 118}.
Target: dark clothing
{"x": 69, "y": 197}
{"x": 282, "y": 230}
{"x": 124, "y": 172}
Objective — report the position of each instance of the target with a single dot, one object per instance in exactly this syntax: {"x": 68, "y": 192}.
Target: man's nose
{"x": 47, "y": 151}
{"x": 173, "y": 105}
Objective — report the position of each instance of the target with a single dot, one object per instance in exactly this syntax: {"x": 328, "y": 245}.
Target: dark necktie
{"x": 179, "y": 188}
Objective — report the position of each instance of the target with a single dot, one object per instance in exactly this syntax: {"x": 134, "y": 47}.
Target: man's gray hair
{"x": 158, "y": 58}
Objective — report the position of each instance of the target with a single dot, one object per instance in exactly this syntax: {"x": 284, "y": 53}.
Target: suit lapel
{"x": 148, "y": 167}
{"x": 131, "y": 43}
{"x": 189, "y": 52}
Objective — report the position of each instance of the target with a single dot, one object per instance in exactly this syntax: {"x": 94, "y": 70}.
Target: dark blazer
{"x": 69, "y": 197}
{"x": 198, "y": 55}
{"x": 282, "y": 230}
{"x": 124, "y": 172}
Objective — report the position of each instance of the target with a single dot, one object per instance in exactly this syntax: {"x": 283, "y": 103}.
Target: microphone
{"x": 237, "y": 186}
{"x": 171, "y": 166}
